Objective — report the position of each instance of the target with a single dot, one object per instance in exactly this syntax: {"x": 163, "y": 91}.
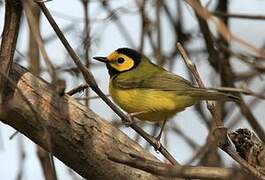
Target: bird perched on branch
{"x": 147, "y": 91}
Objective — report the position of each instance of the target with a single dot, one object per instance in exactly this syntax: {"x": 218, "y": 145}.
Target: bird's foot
{"x": 157, "y": 138}
{"x": 157, "y": 142}
{"x": 129, "y": 121}
{"x": 130, "y": 118}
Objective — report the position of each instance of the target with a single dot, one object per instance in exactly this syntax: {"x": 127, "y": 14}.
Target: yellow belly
{"x": 157, "y": 105}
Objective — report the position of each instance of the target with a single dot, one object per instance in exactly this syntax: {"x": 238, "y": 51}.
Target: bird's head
{"x": 121, "y": 60}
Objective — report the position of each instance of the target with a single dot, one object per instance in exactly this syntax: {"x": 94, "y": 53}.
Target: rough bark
{"x": 76, "y": 135}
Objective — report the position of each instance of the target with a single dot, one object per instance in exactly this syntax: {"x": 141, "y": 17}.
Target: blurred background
{"x": 96, "y": 28}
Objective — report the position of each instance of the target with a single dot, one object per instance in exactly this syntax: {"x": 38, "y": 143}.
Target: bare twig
{"x": 37, "y": 36}
{"x": 13, "y": 135}
{"x": 158, "y": 51}
{"x": 22, "y": 156}
{"x": 237, "y": 15}
{"x": 197, "y": 77}
{"x": 185, "y": 137}
{"x": 172, "y": 171}
{"x": 78, "y": 89}
{"x": 200, "y": 152}
{"x": 144, "y": 23}
{"x": 90, "y": 98}
{"x": 86, "y": 41}
{"x": 33, "y": 50}
{"x": 238, "y": 117}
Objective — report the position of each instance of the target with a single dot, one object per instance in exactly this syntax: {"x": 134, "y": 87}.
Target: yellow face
{"x": 120, "y": 62}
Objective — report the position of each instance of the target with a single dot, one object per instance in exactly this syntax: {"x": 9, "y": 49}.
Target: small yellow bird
{"x": 149, "y": 92}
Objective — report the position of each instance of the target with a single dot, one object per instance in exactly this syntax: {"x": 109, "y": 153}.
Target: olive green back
{"x": 151, "y": 76}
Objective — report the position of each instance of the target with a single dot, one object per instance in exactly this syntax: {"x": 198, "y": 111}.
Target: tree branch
{"x": 79, "y": 137}
{"x": 170, "y": 170}
{"x": 13, "y": 12}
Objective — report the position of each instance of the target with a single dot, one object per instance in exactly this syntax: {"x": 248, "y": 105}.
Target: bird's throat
{"x": 111, "y": 70}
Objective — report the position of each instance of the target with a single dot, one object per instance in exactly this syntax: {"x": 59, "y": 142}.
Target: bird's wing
{"x": 160, "y": 81}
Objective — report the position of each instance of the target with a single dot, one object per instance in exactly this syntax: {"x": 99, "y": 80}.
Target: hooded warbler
{"x": 150, "y": 92}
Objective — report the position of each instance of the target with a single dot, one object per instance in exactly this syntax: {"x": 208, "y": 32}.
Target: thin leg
{"x": 136, "y": 113}
{"x": 161, "y": 131}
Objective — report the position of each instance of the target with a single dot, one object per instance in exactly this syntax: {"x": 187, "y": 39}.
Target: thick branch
{"x": 78, "y": 137}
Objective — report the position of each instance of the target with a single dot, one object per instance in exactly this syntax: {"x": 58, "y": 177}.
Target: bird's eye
{"x": 120, "y": 60}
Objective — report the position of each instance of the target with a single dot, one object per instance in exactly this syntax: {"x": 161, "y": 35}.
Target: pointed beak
{"x": 101, "y": 59}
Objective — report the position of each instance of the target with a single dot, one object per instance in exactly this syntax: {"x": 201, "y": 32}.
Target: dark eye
{"x": 120, "y": 60}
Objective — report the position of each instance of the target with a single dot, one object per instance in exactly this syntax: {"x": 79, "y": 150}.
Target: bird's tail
{"x": 212, "y": 95}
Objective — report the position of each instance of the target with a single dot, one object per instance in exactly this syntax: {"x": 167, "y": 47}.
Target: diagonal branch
{"x": 79, "y": 137}
{"x": 199, "y": 172}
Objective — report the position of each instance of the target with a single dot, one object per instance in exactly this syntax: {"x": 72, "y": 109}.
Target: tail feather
{"x": 212, "y": 95}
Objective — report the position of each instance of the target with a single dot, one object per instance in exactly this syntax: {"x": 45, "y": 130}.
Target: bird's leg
{"x": 158, "y": 143}
{"x": 131, "y": 117}
{"x": 161, "y": 131}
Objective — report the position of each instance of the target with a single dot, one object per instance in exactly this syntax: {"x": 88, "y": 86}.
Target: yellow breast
{"x": 158, "y": 105}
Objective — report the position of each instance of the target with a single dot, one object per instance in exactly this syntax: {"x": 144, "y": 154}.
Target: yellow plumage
{"x": 159, "y": 105}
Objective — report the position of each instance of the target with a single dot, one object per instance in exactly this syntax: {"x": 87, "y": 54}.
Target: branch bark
{"x": 199, "y": 172}
{"x": 13, "y": 12}
{"x": 78, "y": 137}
